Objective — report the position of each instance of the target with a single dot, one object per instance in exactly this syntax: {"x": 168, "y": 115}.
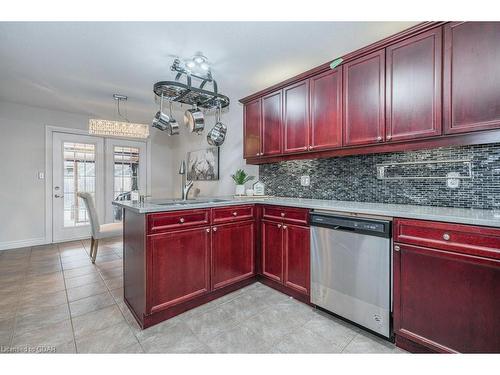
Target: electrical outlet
{"x": 305, "y": 180}
{"x": 41, "y": 175}
{"x": 452, "y": 182}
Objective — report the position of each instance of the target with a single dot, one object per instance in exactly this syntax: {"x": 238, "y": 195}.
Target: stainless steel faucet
{"x": 186, "y": 185}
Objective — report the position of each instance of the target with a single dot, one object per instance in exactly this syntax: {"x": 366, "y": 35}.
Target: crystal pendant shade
{"x": 118, "y": 128}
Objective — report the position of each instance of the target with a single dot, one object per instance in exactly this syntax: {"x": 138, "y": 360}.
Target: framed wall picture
{"x": 203, "y": 165}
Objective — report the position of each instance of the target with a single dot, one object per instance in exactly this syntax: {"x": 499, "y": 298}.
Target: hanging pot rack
{"x": 186, "y": 93}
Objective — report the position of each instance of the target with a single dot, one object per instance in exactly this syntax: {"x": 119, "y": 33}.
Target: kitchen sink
{"x": 178, "y": 202}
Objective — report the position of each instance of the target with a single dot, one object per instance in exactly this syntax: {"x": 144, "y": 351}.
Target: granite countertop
{"x": 453, "y": 215}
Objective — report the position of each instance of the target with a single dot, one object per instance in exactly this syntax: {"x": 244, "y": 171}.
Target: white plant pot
{"x": 240, "y": 190}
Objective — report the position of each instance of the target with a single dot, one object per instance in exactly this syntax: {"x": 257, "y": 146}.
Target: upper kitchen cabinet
{"x": 364, "y": 100}
{"x": 471, "y": 76}
{"x": 413, "y": 87}
{"x": 252, "y": 128}
{"x": 271, "y": 123}
{"x": 296, "y": 117}
{"x": 326, "y": 110}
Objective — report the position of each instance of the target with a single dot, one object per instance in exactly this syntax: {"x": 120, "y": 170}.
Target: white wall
{"x": 231, "y": 152}
{"x": 22, "y": 155}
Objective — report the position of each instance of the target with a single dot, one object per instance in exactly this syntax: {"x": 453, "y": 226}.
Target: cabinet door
{"x": 471, "y": 76}
{"x": 297, "y": 258}
{"x": 271, "y": 124}
{"x": 364, "y": 100}
{"x": 232, "y": 253}
{"x": 447, "y": 301}
{"x": 179, "y": 266}
{"x": 272, "y": 250}
{"x": 413, "y": 87}
{"x": 296, "y": 117}
{"x": 252, "y": 129}
{"x": 326, "y": 110}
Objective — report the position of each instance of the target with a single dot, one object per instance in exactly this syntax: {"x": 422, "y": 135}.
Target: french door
{"x": 108, "y": 169}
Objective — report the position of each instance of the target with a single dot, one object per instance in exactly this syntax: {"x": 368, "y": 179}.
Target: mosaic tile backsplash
{"x": 354, "y": 178}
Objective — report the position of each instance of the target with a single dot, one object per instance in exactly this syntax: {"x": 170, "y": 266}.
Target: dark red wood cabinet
{"x": 233, "y": 249}
{"x": 272, "y": 124}
{"x": 471, "y": 76}
{"x": 296, "y": 117}
{"x": 179, "y": 267}
{"x": 446, "y": 286}
{"x": 326, "y": 110}
{"x": 252, "y": 129}
{"x": 272, "y": 250}
{"x": 285, "y": 248}
{"x": 433, "y": 85}
{"x": 413, "y": 87}
{"x": 364, "y": 100}
{"x": 296, "y": 258}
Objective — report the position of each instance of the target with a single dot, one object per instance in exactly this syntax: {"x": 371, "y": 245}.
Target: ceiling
{"x": 77, "y": 66}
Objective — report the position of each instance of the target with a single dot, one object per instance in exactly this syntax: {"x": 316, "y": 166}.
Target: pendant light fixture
{"x": 118, "y": 128}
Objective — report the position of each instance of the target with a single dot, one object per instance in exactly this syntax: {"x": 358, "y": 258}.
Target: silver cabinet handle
{"x": 181, "y": 220}
{"x": 446, "y": 236}
{"x": 397, "y": 248}
{"x": 235, "y": 213}
{"x": 389, "y": 137}
{"x": 208, "y": 230}
{"x": 214, "y": 229}
{"x": 282, "y": 214}
{"x": 279, "y": 225}
{"x": 58, "y": 196}
{"x": 379, "y": 138}
{"x": 284, "y": 227}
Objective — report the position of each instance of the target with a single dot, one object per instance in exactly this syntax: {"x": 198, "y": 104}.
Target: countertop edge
{"x": 408, "y": 212}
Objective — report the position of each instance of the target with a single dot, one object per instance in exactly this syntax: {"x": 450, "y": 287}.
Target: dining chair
{"x": 98, "y": 231}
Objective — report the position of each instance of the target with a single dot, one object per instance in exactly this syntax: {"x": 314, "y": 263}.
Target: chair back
{"x": 89, "y": 204}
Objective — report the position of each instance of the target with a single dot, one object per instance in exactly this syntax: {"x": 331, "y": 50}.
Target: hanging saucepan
{"x": 174, "y": 126}
{"x": 194, "y": 120}
{"x": 217, "y": 134}
{"x": 161, "y": 120}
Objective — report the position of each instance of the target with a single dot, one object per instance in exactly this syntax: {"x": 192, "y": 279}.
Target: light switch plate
{"x": 305, "y": 180}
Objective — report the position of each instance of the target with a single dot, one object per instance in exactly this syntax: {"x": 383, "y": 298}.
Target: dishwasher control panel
{"x": 373, "y": 227}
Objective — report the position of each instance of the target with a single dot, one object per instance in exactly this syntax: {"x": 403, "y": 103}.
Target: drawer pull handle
{"x": 181, "y": 220}
{"x": 284, "y": 226}
{"x": 279, "y": 225}
{"x": 282, "y": 214}
{"x": 214, "y": 229}
{"x": 446, "y": 236}
{"x": 235, "y": 213}
{"x": 397, "y": 248}
{"x": 208, "y": 230}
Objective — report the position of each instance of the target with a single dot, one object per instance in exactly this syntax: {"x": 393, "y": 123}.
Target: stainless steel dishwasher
{"x": 351, "y": 269}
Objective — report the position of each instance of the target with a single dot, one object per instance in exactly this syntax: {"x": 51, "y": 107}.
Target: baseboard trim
{"x": 8, "y": 245}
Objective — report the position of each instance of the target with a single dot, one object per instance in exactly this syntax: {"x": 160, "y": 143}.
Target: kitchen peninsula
{"x": 182, "y": 254}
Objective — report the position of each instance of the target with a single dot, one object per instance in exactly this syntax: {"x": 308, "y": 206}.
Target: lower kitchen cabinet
{"x": 285, "y": 255}
{"x": 272, "y": 250}
{"x": 446, "y": 297}
{"x": 297, "y": 258}
{"x": 178, "y": 266}
{"x": 233, "y": 248}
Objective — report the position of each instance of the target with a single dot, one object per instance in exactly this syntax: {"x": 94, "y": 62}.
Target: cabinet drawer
{"x": 467, "y": 239}
{"x": 161, "y": 222}
{"x": 286, "y": 214}
{"x": 232, "y": 213}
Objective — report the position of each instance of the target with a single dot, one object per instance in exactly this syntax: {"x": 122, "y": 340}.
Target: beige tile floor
{"x": 52, "y": 299}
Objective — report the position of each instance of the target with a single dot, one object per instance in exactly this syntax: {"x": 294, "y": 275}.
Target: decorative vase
{"x": 240, "y": 190}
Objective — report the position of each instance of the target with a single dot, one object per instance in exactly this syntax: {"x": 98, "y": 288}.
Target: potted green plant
{"x": 240, "y": 177}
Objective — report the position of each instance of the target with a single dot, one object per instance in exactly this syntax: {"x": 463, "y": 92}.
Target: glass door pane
{"x": 79, "y": 176}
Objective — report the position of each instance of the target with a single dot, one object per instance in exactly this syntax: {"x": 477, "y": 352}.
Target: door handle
{"x": 58, "y": 196}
